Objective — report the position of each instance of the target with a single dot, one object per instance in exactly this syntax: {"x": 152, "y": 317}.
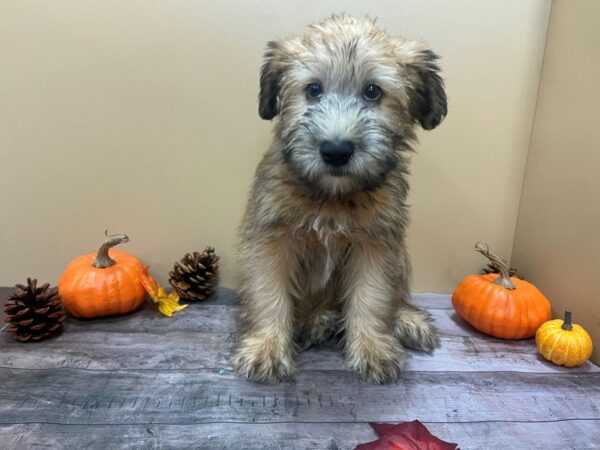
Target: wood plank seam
{"x": 283, "y": 422}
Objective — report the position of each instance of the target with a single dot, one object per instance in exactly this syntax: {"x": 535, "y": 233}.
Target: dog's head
{"x": 348, "y": 97}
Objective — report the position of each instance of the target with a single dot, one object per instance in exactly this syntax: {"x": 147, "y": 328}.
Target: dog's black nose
{"x": 337, "y": 152}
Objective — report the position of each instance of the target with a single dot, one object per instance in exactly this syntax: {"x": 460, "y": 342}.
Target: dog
{"x": 323, "y": 240}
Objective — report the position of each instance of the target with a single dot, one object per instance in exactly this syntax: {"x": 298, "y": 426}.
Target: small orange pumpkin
{"x": 498, "y": 305}
{"x": 563, "y": 342}
{"x": 96, "y": 285}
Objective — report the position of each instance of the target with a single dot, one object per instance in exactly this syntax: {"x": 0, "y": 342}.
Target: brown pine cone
{"x": 194, "y": 276}
{"x": 34, "y": 313}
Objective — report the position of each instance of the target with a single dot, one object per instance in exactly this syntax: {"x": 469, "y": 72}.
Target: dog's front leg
{"x": 265, "y": 351}
{"x": 371, "y": 350}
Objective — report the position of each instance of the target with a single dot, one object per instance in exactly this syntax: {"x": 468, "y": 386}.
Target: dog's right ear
{"x": 427, "y": 96}
{"x": 270, "y": 77}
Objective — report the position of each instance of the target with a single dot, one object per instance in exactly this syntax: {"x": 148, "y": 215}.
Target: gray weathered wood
{"x": 576, "y": 434}
{"x": 201, "y": 337}
{"x": 181, "y": 396}
{"x": 222, "y": 319}
{"x": 146, "y": 317}
{"x": 432, "y": 301}
{"x": 98, "y": 350}
{"x": 218, "y": 314}
{"x": 207, "y": 318}
{"x": 146, "y": 381}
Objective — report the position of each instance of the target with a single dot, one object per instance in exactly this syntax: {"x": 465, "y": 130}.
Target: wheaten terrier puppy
{"x": 324, "y": 236}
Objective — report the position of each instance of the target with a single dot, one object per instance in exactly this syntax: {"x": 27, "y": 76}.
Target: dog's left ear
{"x": 427, "y": 101}
{"x": 270, "y": 75}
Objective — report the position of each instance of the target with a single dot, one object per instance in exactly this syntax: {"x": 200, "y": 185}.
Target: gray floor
{"x": 145, "y": 381}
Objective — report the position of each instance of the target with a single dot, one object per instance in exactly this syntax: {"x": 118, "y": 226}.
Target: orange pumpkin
{"x": 99, "y": 284}
{"x": 498, "y": 305}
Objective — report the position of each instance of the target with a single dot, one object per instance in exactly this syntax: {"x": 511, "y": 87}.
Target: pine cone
{"x": 490, "y": 268}
{"x": 195, "y": 274}
{"x": 34, "y": 313}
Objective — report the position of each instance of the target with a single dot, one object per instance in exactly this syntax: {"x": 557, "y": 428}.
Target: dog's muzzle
{"x": 336, "y": 152}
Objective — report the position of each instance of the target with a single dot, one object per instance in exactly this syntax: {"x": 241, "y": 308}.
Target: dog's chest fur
{"x": 327, "y": 235}
{"x": 327, "y": 231}
{"x": 323, "y": 230}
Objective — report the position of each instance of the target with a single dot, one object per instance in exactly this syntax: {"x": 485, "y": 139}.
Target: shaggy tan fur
{"x": 323, "y": 248}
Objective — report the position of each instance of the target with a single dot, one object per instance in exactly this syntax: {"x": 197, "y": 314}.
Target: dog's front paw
{"x": 376, "y": 361}
{"x": 414, "y": 328}
{"x": 263, "y": 359}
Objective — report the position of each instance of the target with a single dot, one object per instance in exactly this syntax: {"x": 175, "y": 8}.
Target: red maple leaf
{"x": 405, "y": 436}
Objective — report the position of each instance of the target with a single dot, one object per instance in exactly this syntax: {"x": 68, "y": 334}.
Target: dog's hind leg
{"x": 318, "y": 327}
{"x": 414, "y": 328}
{"x": 319, "y": 315}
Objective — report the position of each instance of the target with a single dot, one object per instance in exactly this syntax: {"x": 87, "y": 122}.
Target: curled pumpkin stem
{"x": 102, "y": 260}
{"x": 504, "y": 277}
{"x": 121, "y": 235}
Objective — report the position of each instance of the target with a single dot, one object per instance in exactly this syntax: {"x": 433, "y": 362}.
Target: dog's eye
{"x": 313, "y": 91}
{"x": 372, "y": 93}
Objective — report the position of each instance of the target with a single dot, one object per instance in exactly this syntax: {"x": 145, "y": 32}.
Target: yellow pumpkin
{"x": 563, "y": 342}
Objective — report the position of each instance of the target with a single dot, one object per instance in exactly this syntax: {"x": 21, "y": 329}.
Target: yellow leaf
{"x": 168, "y": 306}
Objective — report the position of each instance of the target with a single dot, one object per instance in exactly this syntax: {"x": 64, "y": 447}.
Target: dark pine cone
{"x": 194, "y": 276}
{"x": 490, "y": 268}
{"x": 34, "y": 313}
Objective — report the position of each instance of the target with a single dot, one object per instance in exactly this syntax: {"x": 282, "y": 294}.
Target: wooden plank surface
{"x": 82, "y": 396}
{"x": 221, "y": 318}
{"x": 104, "y": 350}
{"x": 145, "y": 381}
{"x": 218, "y": 314}
{"x": 575, "y": 434}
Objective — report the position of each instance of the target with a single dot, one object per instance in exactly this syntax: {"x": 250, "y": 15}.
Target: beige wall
{"x": 557, "y": 242}
{"x": 141, "y": 117}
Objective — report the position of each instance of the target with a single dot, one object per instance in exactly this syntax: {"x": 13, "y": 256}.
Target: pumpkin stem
{"x": 567, "y": 324}
{"x": 102, "y": 260}
{"x": 504, "y": 277}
